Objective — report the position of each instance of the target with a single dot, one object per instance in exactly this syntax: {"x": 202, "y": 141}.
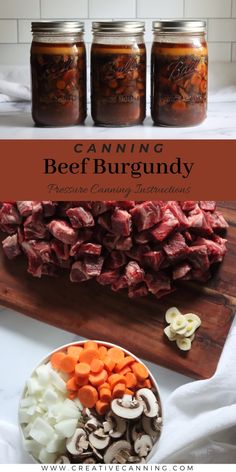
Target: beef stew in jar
{"x": 179, "y": 73}
{"x": 58, "y": 70}
{"x": 118, "y": 74}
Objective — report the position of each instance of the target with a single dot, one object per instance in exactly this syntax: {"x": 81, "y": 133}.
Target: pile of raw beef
{"x": 139, "y": 246}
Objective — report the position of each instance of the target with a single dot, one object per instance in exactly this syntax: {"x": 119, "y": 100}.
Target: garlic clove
{"x": 184, "y": 344}
{"x": 171, "y": 314}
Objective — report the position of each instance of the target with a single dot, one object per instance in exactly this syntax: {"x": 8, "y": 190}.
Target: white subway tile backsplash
{"x": 208, "y": 8}
{"x": 234, "y": 8}
{"x": 112, "y": 9}
{"x": 234, "y": 52}
{"x": 64, "y": 9}
{"x": 219, "y": 52}
{"x": 158, "y": 9}
{"x": 16, "y": 15}
{"x": 19, "y": 8}
{"x": 8, "y": 31}
{"x": 14, "y": 54}
{"x": 222, "y": 30}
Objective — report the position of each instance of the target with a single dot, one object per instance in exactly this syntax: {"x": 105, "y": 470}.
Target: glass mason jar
{"x": 179, "y": 69}
{"x": 118, "y": 73}
{"x": 58, "y": 72}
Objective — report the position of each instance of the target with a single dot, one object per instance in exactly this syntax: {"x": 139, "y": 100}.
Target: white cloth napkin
{"x": 200, "y": 417}
{"x": 12, "y": 91}
{"x": 199, "y": 420}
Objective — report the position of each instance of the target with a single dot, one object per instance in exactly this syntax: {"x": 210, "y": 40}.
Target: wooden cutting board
{"x": 94, "y": 311}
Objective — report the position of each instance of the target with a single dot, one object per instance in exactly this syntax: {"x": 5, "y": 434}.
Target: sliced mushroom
{"x": 99, "y": 441}
{"x": 136, "y": 460}
{"x": 73, "y": 444}
{"x": 127, "y": 408}
{"x": 149, "y": 400}
{"x": 108, "y": 425}
{"x": 136, "y": 431}
{"x": 92, "y": 424}
{"x": 143, "y": 445}
{"x": 117, "y": 451}
{"x": 96, "y": 453}
{"x": 119, "y": 426}
{"x": 151, "y": 426}
{"x": 62, "y": 460}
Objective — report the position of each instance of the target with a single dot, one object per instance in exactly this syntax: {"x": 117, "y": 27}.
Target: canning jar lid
{"x": 57, "y": 27}
{"x": 179, "y": 26}
{"x": 132, "y": 27}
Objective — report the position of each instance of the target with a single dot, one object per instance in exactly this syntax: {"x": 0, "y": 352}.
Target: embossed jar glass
{"x": 179, "y": 71}
{"x": 118, "y": 73}
{"x": 58, "y": 71}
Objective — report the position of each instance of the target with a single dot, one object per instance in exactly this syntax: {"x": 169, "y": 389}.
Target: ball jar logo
{"x": 182, "y": 68}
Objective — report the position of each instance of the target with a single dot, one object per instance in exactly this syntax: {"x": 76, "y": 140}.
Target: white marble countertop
{"x": 16, "y": 123}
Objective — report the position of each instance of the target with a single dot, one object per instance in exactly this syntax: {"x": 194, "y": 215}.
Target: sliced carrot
{"x": 98, "y": 379}
{"x": 131, "y": 380}
{"x": 115, "y": 379}
{"x": 56, "y": 359}
{"x": 118, "y": 390}
{"x": 129, "y": 392}
{"x": 124, "y": 363}
{"x": 125, "y": 370}
{"x": 140, "y": 371}
{"x": 102, "y": 407}
{"x": 82, "y": 381}
{"x": 96, "y": 366}
{"x": 71, "y": 384}
{"x": 116, "y": 354}
{"x": 68, "y": 364}
{"x": 105, "y": 394}
{"x": 72, "y": 395}
{"x": 74, "y": 351}
{"x": 90, "y": 345}
{"x": 104, "y": 385}
{"x": 88, "y": 396}
{"x": 102, "y": 352}
{"x": 109, "y": 364}
{"x": 148, "y": 383}
{"x": 82, "y": 370}
{"x": 88, "y": 355}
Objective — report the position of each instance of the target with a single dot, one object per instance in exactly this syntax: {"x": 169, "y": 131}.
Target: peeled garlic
{"x": 171, "y": 314}
{"x": 183, "y": 343}
{"x": 181, "y": 328}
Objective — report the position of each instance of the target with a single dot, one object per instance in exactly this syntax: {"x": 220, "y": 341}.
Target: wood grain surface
{"x": 94, "y": 311}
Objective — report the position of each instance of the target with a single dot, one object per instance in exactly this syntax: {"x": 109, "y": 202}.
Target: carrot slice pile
{"x": 97, "y": 374}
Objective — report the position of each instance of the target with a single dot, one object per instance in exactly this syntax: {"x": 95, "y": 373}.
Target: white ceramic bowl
{"x": 46, "y": 359}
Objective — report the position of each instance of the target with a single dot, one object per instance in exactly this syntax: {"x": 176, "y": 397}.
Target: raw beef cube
{"x": 176, "y": 247}
{"x": 217, "y": 221}
{"x": 78, "y": 272}
{"x": 93, "y": 265}
{"x": 60, "y": 249}
{"x": 158, "y": 283}
{"x": 177, "y": 211}
{"x": 215, "y": 250}
{"x": 126, "y": 204}
{"x": 137, "y": 252}
{"x": 11, "y": 246}
{"x": 9, "y": 215}
{"x": 153, "y": 259}
{"x": 198, "y": 257}
{"x": 146, "y": 215}
{"x": 90, "y": 248}
{"x": 25, "y": 207}
{"x": 142, "y": 238}
{"x": 35, "y": 229}
{"x": 169, "y": 223}
{"x": 115, "y": 260}
{"x": 49, "y": 208}
{"x": 207, "y": 205}
{"x": 138, "y": 291}
{"x": 110, "y": 241}
{"x": 34, "y": 260}
{"x": 101, "y": 207}
{"x": 133, "y": 273}
{"x": 180, "y": 271}
{"x": 199, "y": 222}
{"x": 63, "y": 231}
{"x": 79, "y": 217}
{"x": 188, "y": 205}
{"x": 105, "y": 221}
{"x": 108, "y": 277}
{"x": 121, "y": 222}
{"x": 124, "y": 244}
{"x": 119, "y": 284}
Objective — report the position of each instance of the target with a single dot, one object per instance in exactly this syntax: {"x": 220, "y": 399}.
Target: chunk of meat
{"x": 176, "y": 247}
{"x": 79, "y": 217}
{"x": 146, "y": 215}
{"x": 62, "y": 230}
{"x": 11, "y": 246}
{"x": 133, "y": 273}
{"x": 121, "y": 222}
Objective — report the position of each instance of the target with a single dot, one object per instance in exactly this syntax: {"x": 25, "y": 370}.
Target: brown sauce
{"x": 118, "y": 84}
{"x": 58, "y": 84}
{"x": 179, "y": 84}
